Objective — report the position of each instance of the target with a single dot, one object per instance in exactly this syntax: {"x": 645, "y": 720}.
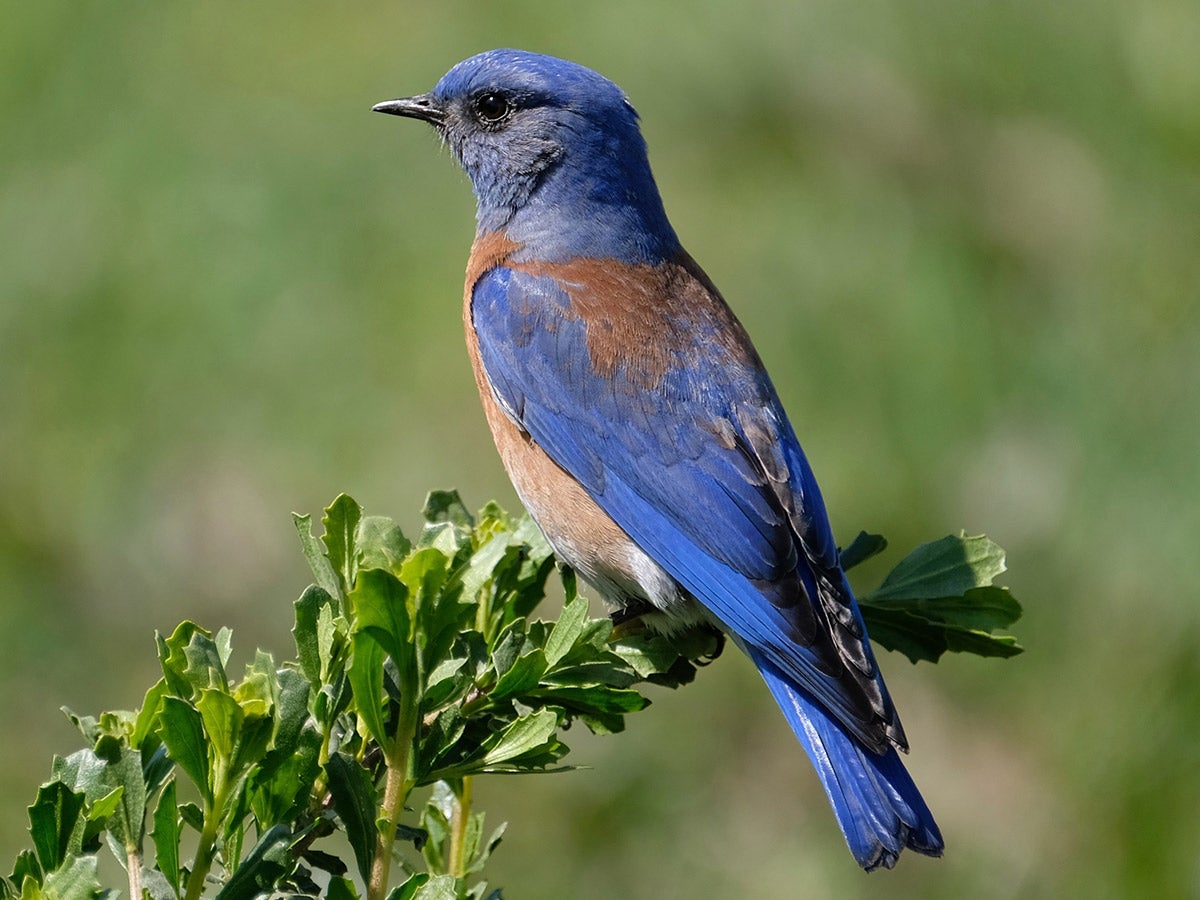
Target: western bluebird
{"x": 639, "y": 426}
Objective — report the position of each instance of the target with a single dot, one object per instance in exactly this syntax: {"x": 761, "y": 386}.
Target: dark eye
{"x": 492, "y": 108}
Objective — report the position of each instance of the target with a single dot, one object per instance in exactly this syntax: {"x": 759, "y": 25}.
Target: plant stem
{"x": 400, "y": 762}
{"x": 133, "y": 864}
{"x": 206, "y": 851}
{"x": 458, "y": 829}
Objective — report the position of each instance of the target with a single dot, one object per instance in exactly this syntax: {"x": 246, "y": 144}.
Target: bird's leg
{"x": 718, "y": 647}
{"x": 627, "y": 618}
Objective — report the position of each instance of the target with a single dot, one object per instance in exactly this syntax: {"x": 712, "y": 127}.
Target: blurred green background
{"x": 966, "y": 237}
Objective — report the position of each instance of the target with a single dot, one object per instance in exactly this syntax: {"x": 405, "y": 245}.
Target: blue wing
{"x": 665, "y": 421}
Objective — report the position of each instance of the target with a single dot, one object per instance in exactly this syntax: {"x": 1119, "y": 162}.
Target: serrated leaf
{"x": 947, "y": 567}
{"x": 381, "y": 543}
{"x": 447, "y": 506}
{"x": 323, "y": 572}
{"x": 166, "y": 834}
{"x": 52, "y": 820}
{"x": 193, "y": 660}
{"x": 341, "y": 527}
{"x": 147, "y": 717}
{"x": 354, "y": 800}
{"x": 863, "y": 547}
{"x": 183, "y": 734}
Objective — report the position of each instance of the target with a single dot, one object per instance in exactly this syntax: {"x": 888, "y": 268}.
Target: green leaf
{"x": 52, "y": 820}
{"x": 75, "y": 880}
{"x": 940, "y": 598}
{"x": 222, "y": 717}
{"x": 354, "y": 800}
{"x": 279, "y": 790}
{"x": 326, "y": 578}
{"x": 567, "y": 630}
{"x": 947, "y": 567}
{"x": 481, "y": 566}
{"x": 366, "y": 677}
{"x": 147, "y": 717}
{"x": 409, "y": 889}
{"x": 104, "y": 807}
{"x": 439, "y": 887}
{"x": 304, "y": 632}
{"x": 341, "y": 889}
{"x": 381, "y": 543}
{"x": 191, "y": 815}
{"x": 978, "y": 609}
{"x": 123, "y": 770}
{"x": 262, "y": 868}
{"x": 526, "y": 734}
{"x": 920, "y": 638}
{"x": 192, "y": 660}
{"x": 166, "y": 836}
{"x": 522, "y": 676}
{"x": 341, "y": 527}
{"x": 485, "y": 852}
{"x": 863, "y": 547}
{"x": 447, "y": 506}
{"x": 596, "y": 698}
{"x": 183, "y": 734}
{"x": 26, "y": 866}
{"x": 380, "y": 603}
{"x": 82, "y": 771}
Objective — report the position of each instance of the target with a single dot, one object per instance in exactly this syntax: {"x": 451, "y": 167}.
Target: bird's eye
{"x": 492, "y": 108}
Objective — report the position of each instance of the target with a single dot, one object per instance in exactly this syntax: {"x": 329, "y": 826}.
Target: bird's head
{"x": 533, "y": 130}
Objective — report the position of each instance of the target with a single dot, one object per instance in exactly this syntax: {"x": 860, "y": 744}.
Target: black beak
{"x": 422, "y": 106}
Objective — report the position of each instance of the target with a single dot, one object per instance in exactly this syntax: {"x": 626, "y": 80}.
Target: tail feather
{"x": 878, "y": 807}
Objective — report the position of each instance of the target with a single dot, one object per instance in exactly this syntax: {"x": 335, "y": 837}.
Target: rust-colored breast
{"x": 578, "y": 529}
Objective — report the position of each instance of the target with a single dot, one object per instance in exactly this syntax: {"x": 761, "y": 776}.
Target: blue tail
{"x": 878, "y": 806}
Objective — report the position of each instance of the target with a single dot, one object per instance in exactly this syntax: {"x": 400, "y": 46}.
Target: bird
{"x": 640, "y": 428}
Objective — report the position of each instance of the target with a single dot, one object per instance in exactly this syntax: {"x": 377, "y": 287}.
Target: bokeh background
{"x": 966, "y": 237}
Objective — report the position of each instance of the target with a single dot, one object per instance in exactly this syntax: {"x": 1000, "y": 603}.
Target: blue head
{"x": 554, "y": 155}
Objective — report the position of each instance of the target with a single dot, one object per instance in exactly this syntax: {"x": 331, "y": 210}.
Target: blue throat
{"x": 568, "y": 213}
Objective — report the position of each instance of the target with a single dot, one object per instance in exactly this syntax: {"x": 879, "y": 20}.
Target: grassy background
{"x": 965, "y": 236}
